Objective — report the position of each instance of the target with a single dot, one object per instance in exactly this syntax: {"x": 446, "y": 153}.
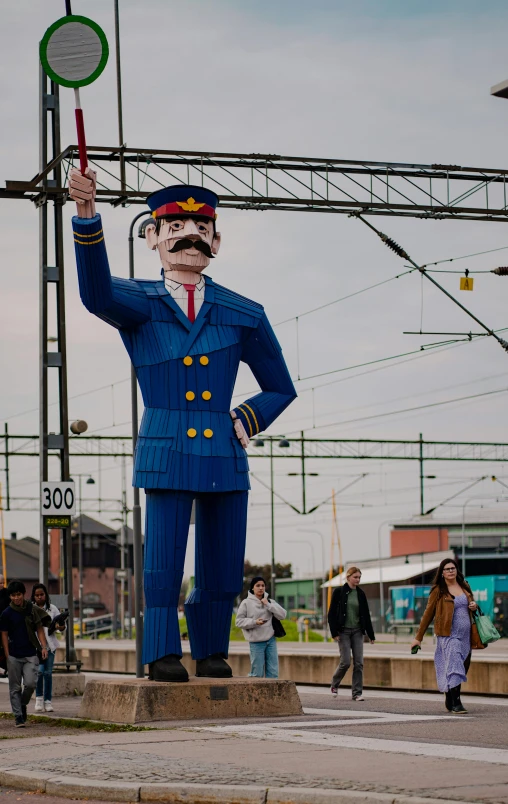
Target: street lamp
{"x": 500, "y": 90}
{"x": 463, "y": 539}
{"x": 381, "y": 586}
{"x": 323, "y": 594}
{"x": 136, "y": 506}
{"x": 283, "y": 444}
{"x": 89, "y": 482}
{"x": 306, "y": 541}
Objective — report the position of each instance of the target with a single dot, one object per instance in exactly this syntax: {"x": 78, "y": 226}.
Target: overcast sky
{"x": 405, "y": 82}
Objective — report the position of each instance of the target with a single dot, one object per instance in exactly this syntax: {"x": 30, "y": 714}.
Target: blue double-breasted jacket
{"x": 186, "y": 371}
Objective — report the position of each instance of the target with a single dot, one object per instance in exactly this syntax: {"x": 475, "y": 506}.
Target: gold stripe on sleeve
{"x": 253, "y": 415}
{"x": 78, "y": 234}
{"x": 248, "y": 420}
{"x": 91, "y": 243}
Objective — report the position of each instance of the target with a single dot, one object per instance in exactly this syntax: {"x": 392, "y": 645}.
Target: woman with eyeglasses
{"x": 451, "y": 606}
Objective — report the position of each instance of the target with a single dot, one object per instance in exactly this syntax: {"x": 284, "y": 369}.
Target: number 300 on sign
{"x": 57, "y": 498}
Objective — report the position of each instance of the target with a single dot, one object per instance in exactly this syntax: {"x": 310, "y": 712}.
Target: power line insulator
{"x": 502, "y": 271}
{"x": 394, "y": 246}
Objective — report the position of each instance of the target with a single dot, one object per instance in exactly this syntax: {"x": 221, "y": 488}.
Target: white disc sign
{"x": 74, "y": 51}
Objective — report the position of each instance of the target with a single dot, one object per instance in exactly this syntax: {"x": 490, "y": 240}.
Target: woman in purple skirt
{"x": 451, "y": 606}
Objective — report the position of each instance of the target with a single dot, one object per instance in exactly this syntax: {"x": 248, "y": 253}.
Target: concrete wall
{"x": 411, "y": 673}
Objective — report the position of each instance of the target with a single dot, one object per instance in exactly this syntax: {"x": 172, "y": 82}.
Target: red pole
{"x": 80, "y": 128}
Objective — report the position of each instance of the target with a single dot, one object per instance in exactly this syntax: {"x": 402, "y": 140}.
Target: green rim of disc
{"x": 44, "y": 46}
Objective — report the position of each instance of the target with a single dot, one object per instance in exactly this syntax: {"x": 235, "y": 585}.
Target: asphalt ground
{"x": 392, "y": 743}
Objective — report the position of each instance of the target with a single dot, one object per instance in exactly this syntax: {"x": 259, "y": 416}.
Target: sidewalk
{"x": 391, "y": 749}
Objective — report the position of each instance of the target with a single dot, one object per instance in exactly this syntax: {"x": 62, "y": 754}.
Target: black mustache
{"x": 186, "y": 242}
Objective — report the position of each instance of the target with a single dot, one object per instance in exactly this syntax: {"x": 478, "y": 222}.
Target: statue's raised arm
{"x": 119, "y": 302}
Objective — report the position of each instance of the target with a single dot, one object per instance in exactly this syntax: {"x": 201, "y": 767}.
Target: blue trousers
{"x": 221, "y": 520}
{"x": 45, "y": 677}
{"x": 264, "y": 660}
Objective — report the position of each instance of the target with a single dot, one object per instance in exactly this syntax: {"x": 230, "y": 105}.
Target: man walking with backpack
{"x": 23, "y": 640}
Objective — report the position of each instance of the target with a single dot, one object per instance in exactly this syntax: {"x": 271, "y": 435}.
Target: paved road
{"x": 393, "y": 742}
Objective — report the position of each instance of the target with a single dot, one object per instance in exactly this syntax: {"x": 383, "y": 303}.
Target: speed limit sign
{"x": 58, "y": 498}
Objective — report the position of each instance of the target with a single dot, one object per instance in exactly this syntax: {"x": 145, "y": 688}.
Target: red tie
{"x": 191, "y": 314}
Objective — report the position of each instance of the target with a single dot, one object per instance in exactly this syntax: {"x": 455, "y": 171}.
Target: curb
{"x": 181, "y": 793}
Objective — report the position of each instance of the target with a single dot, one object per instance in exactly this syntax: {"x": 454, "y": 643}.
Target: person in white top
{"x": 254, "y": 617}
{"x": 44, "y": 688}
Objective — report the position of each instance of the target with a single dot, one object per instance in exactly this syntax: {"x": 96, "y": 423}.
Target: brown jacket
{"x": 440, "y": 608}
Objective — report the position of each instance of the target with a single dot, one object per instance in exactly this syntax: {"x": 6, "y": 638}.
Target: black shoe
{"x": 213, "y": 667}
{"x": 169, "y": 668}
{"x": 24, "y": 713}
{"x": 457, "y": 708}
{"x": 20, "y": 723}
{"x": 448, "y": 701}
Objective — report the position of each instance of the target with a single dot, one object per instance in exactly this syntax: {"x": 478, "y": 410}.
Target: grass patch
{"x": 76, "y": 723}
{"x": 289, "y": 627}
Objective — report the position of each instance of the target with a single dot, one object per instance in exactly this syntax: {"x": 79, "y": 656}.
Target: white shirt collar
{"x": 175, "y": 285}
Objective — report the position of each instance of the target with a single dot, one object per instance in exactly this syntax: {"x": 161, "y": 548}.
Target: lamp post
{"x": 90, "y": 482}
{"x": 463, "y": 536}
{"x": 283, "y": 443}
{"x": 323, "y": 591}
{"x": 381, "y": 586}
{"x": 136, "y": 506}
{"x": 306, "y": 541}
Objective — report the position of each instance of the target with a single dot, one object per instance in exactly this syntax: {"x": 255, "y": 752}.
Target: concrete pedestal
{"x": 68, "y": 684}
{"x": 142, "y": 701}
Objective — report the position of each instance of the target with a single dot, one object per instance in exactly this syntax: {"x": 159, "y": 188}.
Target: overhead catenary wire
{"x": 466, "y": 256}
{"x": 344, "y": 298}
{"x": 416, "y": 407}
{"x": 400, "y": 252}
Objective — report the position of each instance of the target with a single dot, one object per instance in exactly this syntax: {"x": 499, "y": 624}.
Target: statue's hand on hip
{"x": 82, "y": 190}
{"x": 240, "y": 433}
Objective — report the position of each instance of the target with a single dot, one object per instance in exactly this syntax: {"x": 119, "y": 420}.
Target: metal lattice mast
{"x": 52, "y": 276}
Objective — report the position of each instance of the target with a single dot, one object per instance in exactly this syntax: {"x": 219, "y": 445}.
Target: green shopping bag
{"x": 486, "y": 629}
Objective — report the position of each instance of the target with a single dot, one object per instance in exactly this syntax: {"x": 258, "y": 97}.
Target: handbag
{"x": 486, "y": 629}
{"x": 278, "y": 628}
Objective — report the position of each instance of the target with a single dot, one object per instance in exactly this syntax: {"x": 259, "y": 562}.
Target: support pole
{"x": 43, "y": 320}
{"x": 119, "y": 94}
{"x": 80, "y": 561}
{"x": 422, "y": 503}
{"x": 7, "y": 476}
{"x": 304, "y": 509}
{"x": 272, "y": 518}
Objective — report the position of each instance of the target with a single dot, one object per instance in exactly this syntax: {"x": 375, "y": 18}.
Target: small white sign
{"x": 58, "y": 498}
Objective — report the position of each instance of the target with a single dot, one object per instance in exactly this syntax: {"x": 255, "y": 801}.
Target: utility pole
{"x": 272, "y": 518}
{"x": 123, "y": 541}
{"x": 304, "y": 509}
{"x": 422, "y": 504}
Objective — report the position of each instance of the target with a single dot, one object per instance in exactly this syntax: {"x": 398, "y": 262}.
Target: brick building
{"x": 101, "y": 557}
{"x": 22, "y": 559}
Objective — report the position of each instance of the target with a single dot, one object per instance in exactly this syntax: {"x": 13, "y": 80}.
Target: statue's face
{"x": 184, "y": 243}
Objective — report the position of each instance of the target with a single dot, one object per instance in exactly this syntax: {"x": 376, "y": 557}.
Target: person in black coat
{"x": 349, "y": 619}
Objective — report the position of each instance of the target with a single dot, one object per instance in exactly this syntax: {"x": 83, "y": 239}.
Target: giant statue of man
{"x": 186, "y": 336}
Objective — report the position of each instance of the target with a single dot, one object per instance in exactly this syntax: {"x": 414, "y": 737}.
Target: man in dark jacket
{"x": 349, "y": 619}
